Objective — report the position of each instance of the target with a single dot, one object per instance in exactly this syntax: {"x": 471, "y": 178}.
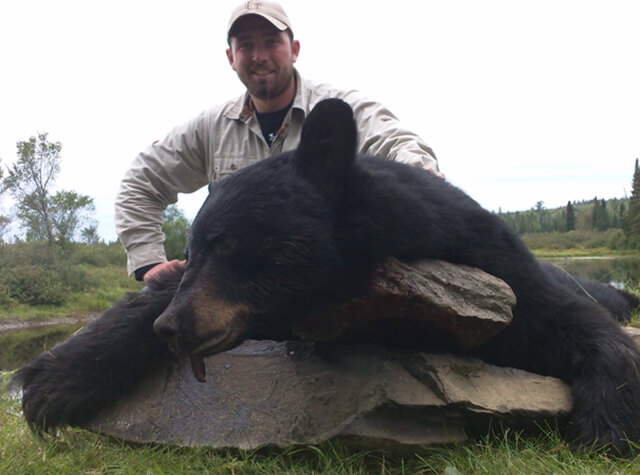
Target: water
{"x": 19, "y": 347}
{"x": 617, "y": 271}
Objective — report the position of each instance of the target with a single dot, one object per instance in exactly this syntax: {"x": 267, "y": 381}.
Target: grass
{"x": 546, "y": 253}
{"x": 77, "y": 451}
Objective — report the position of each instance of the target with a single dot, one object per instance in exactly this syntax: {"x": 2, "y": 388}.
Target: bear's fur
{"x": 304, "y": 230}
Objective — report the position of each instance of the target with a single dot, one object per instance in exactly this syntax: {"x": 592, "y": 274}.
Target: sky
{"x": 522, "y": 101}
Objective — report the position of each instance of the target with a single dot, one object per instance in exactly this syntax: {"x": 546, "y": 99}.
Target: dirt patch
{"x": 23, "y": 325}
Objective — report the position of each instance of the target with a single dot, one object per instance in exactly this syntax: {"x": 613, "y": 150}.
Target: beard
{"x": 268, "y": 87}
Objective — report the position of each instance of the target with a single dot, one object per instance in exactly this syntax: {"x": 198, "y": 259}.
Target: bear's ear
{"x": 328, "y": 143}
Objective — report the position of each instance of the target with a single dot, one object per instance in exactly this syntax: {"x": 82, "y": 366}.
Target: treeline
{"x": 592, "y": 215}
{"x": 619, "y": 218}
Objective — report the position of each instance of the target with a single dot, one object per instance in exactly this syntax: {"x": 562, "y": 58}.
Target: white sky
{"x": 521, "y": 100}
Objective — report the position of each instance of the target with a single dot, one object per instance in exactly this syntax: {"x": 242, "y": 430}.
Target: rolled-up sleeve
{"x": 176, "y": 164}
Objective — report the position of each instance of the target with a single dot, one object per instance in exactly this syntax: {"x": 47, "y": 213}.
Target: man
{"x": 265, "y": 121}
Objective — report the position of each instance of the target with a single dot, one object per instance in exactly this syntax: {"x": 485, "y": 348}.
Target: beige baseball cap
{"x": 272, "y": 11}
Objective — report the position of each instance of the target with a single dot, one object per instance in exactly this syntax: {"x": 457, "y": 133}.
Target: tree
{"x": 176, "y": 229}
{"x": 4, "y": 224}
{"x": 631, "y": 223}
{"x": 4, "y": 220}
{"x": 89, "y": 234}
{"x": 43, "y": 215}
{"x": 600, "y": 215}
{"x": 571, "y": 217}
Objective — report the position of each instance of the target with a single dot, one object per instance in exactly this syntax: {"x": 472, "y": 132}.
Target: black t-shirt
{"x": 270, "y": 123}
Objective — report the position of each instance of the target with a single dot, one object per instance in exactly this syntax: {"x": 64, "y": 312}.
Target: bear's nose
{"x": 166, "y": 326}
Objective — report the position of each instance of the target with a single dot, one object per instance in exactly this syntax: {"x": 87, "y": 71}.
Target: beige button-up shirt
{"x": 226, "y": 138}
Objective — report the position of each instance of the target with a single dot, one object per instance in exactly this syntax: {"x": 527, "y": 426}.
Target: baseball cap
{"x": 271, "y": 11}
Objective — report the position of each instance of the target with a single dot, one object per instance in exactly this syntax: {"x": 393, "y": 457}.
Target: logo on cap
{"x": 254, "y": 5}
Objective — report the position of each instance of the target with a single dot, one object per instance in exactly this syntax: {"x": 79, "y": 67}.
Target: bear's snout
{"x": 167, "y": 326}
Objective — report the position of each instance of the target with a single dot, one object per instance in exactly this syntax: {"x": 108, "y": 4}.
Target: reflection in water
{"x": 617, "y": 271}
{"x": 20, "y": 346}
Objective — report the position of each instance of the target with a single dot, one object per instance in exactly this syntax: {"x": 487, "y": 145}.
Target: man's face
{"x": 262, "y": 56}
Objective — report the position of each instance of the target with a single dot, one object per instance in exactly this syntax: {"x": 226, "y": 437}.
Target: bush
{"x": 42, "y": 285}
{"x": 98, "y": 255}
{"x": 34, "y": 286}
{"x": 617, "y": 240}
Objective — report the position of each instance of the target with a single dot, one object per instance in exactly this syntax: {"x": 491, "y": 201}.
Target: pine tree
{"x": 631, "y": 224}
{"x": 571, "y": 217}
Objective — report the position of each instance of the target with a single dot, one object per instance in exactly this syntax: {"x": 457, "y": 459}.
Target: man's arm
{"x": 176, "y": 164}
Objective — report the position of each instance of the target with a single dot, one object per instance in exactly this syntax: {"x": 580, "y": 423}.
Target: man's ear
{"x": 295, "y": 50}
{"x": 328, "y": 145}
{"x": 230, "y": 58}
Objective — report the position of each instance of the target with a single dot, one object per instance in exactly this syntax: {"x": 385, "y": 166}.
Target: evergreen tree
{"x": 600, "y": 216}
{"x": 631, "y": 225}
{"x": 571, "y": 217}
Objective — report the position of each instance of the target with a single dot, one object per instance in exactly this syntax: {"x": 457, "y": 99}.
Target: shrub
{"x": 34, "y": 285}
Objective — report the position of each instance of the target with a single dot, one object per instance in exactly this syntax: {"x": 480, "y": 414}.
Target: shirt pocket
{"x": 226, "y": 165}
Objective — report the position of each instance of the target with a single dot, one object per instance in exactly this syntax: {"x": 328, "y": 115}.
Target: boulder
{"x": 442, "y": 304}
{"x": 283, "y": 394}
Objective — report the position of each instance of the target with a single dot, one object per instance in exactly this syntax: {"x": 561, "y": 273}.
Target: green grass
{"x": 546, "y": 253}
{"x": 80, "y": 452}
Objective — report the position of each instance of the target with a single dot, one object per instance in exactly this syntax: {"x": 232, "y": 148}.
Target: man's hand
{"x": 156, "y": 272}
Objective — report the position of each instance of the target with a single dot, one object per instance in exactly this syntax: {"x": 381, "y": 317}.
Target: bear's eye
{"x": 222, "y": 245}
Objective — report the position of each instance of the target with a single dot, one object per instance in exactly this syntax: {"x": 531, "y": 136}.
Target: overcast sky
{"x": 522, "y": 101}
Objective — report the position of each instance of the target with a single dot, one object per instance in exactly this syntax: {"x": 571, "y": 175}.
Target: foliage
{"x": 36, "y": 283}
{"x": 571, "y": 217}
{"x": 33, "y": 286}
{"x": 4, "y": 220}
{"x": 4, "y": 224}
{"x": 41, "y": 213}
{"x": 586, "y": 216}
{"x": 631, "y": 223}
{"x": 89, "y": 235}
{"x": 176, "y": 229}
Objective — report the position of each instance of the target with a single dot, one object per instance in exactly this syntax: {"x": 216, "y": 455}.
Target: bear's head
{"x": 262, "y": 246}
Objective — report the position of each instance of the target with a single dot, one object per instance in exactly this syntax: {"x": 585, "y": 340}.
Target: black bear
{"x": 304, "y": 230}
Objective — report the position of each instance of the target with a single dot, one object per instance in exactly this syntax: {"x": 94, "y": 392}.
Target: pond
{"x": 617, "y": 271}
{"x": 18, "y": 347}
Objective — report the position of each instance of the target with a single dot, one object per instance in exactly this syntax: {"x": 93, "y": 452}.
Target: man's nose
{"x": 260, "y": 54}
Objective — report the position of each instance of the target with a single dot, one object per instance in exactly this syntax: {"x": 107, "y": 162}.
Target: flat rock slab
{"x": 438, "y": 302}
{"x": 283, "y": 394}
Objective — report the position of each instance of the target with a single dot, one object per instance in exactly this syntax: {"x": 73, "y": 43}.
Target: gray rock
{"x": 634, "y": 333}
{"x": 265, "y": 393}
{"x": 465, "y": 305}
